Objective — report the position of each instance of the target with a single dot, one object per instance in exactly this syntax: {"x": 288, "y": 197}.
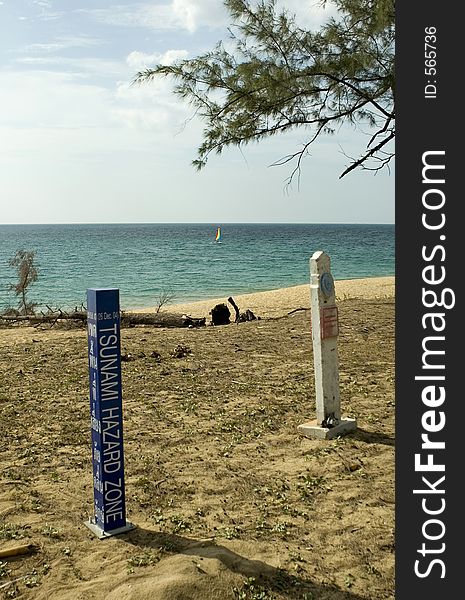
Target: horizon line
{"x": 210, "y": 223}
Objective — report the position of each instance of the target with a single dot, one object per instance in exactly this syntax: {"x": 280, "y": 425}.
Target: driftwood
{"x": 247, "y": 316}
{"x": 161, "y": 320}
{"x": 18, "y": 550}
{"x": 50, "y": 317}
{"x": 127, "y": 319}
{"x": 244, "y": 316}
{"x": 220, "y": 314}
{"x": 236, "y": 308}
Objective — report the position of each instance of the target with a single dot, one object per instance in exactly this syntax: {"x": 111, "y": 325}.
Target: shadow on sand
{"x": 268, "y": 577}
{"x": 372, "y": 437}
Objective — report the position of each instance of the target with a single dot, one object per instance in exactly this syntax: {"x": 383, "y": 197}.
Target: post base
{"x": 315, "y": 431}
{"x": 101, "y": 534}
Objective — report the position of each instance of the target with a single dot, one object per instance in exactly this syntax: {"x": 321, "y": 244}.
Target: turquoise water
{"x": 143, "y": 260}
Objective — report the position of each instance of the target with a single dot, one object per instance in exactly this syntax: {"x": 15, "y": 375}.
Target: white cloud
{"x": 133, "y": 16}
{"x": 310, "y": 14}
{"x": 42, "y": 99}
{"x": 142, "y": 119}
{"x": 191, "y": 15}
{"x": 79, "y": 67}
{"x": 45, "y": 102}
{"x": 187, "y": 15}
{"x": 139, "y": 60}
{"x": 46, "y": 13}
{"x": 64, "y": 42}
{"x": 195, "y": 13}
{"x": 149, "y": 106}
{"x": 51, "y": 16}
{"x": 68, "y": 146}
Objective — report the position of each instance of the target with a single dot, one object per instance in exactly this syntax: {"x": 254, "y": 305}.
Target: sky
{"x": 80, "y": 144}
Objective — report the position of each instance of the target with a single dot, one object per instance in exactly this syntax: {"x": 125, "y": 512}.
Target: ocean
{"x": 146, "y": 260}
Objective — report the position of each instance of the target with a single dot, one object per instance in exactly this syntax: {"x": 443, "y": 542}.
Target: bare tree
{"x": 23, "y": 262}
{"x": 164, "y": 297}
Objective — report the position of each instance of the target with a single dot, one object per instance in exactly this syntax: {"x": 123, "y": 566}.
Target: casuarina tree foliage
{"x": 23, "y": 262}
{"x": 273, "y": 76}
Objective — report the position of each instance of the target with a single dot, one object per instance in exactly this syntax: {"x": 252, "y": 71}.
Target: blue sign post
{"x": 103, "y": 333}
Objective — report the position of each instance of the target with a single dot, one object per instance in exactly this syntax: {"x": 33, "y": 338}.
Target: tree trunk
{"x": 127, "y": 319}
{"x": 236, "y": 309}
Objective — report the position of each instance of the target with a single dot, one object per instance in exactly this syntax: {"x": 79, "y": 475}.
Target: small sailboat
{"x": 218, "y": 235}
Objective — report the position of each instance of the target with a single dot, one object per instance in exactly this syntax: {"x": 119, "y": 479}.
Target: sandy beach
{"x": 278, "y": 302}
{"x": 230, "y": 502}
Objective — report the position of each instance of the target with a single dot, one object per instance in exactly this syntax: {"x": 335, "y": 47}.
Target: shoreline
{"x": 278, "y": 302}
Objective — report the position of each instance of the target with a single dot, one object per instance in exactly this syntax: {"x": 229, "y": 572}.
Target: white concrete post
{"x": 325, "y": 330}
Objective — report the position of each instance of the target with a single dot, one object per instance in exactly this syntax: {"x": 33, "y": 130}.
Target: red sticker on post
{"x": 329, "y": 323}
